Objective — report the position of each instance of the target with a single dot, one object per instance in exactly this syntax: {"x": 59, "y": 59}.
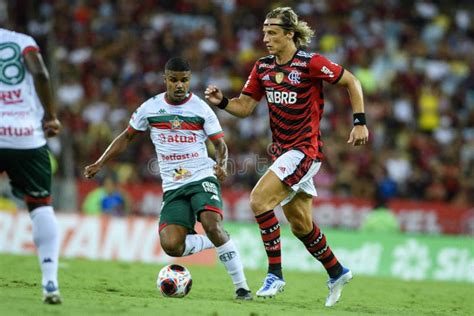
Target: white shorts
{"x": 296, "y": 170}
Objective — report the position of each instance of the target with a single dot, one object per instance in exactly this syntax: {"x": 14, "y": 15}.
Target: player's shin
{"x": 270, "y": 231}
{"x": 46, "y": 239}
{"x": 315, "y": 243}
{"x": 230, "y": 257}
{"x": 195, "y": 243}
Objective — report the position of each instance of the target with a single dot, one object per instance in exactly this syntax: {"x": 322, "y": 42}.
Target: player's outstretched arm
{"x": 359, "y": 134}
{"x": 241, "y": 107}
{"x": 117, "y": 146}
{"x": 37, "y": 68}
{"x": 220, "y": 169}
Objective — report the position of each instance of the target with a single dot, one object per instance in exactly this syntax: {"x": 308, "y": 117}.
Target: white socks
{"x": 46, "y": 239}
{"x": 230, "y": 257}
{"x": 195, "y": 243}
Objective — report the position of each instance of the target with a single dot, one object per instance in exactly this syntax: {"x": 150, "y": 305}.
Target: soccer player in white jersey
{"x": 179, "y": 124}
{"x": 27, "y": 117}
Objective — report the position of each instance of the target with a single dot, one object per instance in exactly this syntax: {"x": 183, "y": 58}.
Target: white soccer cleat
{"x": 51, "y": 294}
{"x": 272, "y": 285}
{"x": 335, "y": 287}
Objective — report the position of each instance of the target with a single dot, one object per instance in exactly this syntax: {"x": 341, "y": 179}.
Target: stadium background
{"x": 415, "y": 62}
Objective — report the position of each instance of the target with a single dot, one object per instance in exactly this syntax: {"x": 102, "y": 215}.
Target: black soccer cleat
{"x": 243, "y": 294}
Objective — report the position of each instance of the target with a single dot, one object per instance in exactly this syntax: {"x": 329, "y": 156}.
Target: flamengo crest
{"x": 294, "y": 77}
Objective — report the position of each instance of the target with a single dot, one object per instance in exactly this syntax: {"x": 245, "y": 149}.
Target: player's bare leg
{"x": 267, "y": 194}
{"x": 299, "y": 214}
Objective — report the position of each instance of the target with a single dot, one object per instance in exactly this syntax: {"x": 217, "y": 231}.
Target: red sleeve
{"x": 30, "y": 49}
{"x": 253, "y": 87}
{"x": 322, "y": 68}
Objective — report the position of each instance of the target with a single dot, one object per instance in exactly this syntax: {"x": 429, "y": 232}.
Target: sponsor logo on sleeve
{"x": 327, "y": 71}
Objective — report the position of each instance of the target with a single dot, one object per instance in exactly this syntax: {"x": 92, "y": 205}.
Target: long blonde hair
{"x": 291, "y": 23}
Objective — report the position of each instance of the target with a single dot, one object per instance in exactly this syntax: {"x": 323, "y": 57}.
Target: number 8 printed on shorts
{"x": 12, "y": 71}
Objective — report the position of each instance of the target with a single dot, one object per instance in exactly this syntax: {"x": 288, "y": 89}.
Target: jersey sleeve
{"x": 212, "y": 127}
{"x": 138, "y": 122}
{"x": 28, "y": 44}
{"x": 322, "y": 68}
{"x": 253, "y": 86}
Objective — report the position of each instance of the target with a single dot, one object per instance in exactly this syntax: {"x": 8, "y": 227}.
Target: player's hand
{"x": 51, "y": 127}
{"x": 359, "y": 135}
{"x": 220, "y": 172}
{"x": 91, "y": 170}
{"x": 213, "y": 95}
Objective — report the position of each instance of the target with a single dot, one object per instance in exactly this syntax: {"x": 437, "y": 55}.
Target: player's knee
{"x": 258, "y": 203}
{"x": 172, "y": 247}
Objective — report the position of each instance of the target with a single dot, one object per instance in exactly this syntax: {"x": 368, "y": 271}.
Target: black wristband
{"x": 223, "y": 104}
{"x": 358, "y": 119}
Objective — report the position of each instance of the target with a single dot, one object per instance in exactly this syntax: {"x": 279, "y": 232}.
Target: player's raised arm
{"x": 359, "y": 134}
{"x": 241, "y": 107}
{"x": 117, "y": 146}
{"x": 37, "y": 68}
{"x": 220, "y": 169}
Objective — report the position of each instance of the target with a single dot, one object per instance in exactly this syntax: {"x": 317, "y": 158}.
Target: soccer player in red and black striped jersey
{"x": 291, "y": 79}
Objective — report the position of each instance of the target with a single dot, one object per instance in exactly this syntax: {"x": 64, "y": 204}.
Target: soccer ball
{"x": 174, "y": 280}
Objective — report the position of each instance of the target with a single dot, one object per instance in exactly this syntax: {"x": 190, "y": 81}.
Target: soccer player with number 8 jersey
{"x": 27, "y": 117}
{"x": 291, "y": 79}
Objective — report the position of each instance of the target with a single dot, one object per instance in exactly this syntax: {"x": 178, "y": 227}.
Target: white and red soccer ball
{"x": 174, "y": 280}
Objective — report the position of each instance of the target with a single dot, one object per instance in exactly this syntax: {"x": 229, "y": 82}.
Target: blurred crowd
{"x": 414, "y": 58}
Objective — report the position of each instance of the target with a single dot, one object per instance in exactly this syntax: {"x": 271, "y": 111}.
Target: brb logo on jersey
{"x": 281, "y": 97}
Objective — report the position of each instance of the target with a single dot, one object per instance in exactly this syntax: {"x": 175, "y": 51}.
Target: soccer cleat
{"x": 243, "y": 294}
{"x": 271, "y": 286}
{"x": 51, "y": 294}
{"x": 335, "y": 286}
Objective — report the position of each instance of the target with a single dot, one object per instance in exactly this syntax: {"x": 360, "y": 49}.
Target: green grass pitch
{"x": 113, "y": 288}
